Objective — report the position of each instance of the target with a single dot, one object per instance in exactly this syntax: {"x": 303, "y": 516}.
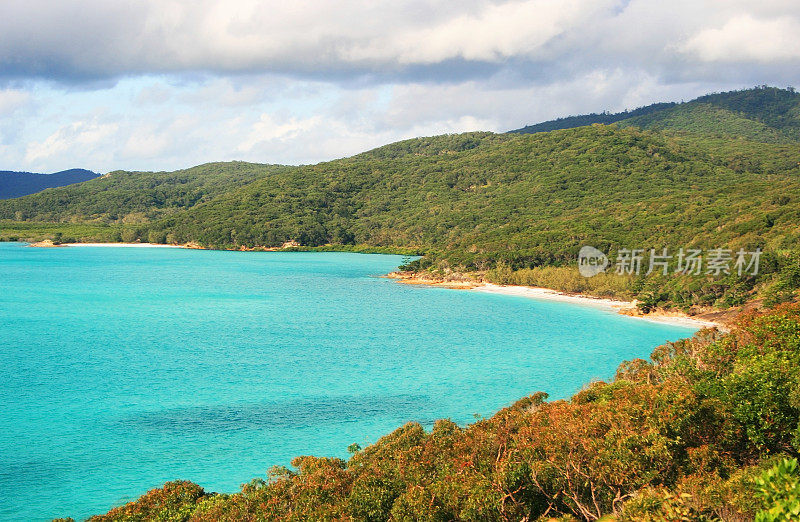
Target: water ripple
{"x": 279, "y": 415}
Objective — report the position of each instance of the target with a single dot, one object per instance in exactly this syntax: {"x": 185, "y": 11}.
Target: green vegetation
{"x": 604, "y": 118}
{"x": 133, "y": 197}
{"x": 699, "y": 432}
{"x": 718, "y": 172}
{"x": 763, "y": 114}
{"x": 61, "y": 232}
{"x": 779, "y": 489}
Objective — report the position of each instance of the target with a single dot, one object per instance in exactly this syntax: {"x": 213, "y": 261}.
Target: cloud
{"x": 270, "y": 129}
{"x": 164, "y": 84}
{"x": 78, "y": 137}
{"x": 744, "y": 38}
{"x": 411, "y": 40}
{"x": 491, "y": 34}
{"x": 11, "y": 100}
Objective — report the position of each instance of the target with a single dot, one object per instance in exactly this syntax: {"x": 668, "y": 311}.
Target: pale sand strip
{"x": 123, "y": 245}
{"x": 606, "y": 304}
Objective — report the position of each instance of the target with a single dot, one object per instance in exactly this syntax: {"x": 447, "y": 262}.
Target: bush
{"x": 779, "y": 490}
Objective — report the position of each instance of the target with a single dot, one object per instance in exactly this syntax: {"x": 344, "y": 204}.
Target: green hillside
{"x": 133, "y": 196}
{"x": 524, "y": 199}
{"x": 510, "y": 208}
{"x": 605, "y": 118}
{"x": 765, "y": 114}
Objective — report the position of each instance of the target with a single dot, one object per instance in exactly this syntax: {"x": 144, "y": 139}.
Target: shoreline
{"x": 124, "y": 245}
{"x": 49, "y": 244}
{"x": 611, "y": 305}
{"x": 627, "y": 308}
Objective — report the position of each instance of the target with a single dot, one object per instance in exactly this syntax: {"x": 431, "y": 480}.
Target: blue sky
{"x": 167, "y": 84}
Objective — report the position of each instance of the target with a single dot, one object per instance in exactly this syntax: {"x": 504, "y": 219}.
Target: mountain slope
{"x": 526, "y": 199}
{"x": 765, "y": 114}
{"x": 512, "y": 208}
{"x": 604, "y": 118}
{"x": 133, "y": 196}
{"x": 16, "y": 184}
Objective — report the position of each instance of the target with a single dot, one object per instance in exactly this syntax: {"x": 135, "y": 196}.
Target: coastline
{"x": 621, "y": 307}
{"x": 547, "y": 294}
{"x": 124, "y": 245}
{"x": 49, "y": 244}
{"x": 463, "y": 283}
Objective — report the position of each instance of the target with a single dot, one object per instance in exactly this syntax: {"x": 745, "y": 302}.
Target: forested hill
{"x": 134, "y": 197}
{"x": 506, "y": 207}
{"x": 523, "y": 199}
{"x": 15, "y": 184}
{"x": 765, "y": 114}
{"x": 604, "y": 118}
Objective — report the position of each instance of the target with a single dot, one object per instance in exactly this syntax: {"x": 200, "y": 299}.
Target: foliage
{"x": 174, "y": 502}
{"x": 679, "y": 437}
{"x": 63, "y": 232}
{"x": 133, "y": 197}
{"x": 604, "y": 118}
{"x": 766, "y": 114}
{"x": 720, "y": 171}
{"x": 779, "y": 489}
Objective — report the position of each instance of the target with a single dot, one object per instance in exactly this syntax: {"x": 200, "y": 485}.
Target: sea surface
{"x": 124, "y": 368}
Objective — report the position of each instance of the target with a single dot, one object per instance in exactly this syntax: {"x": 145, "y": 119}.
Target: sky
{"x": 168, "y": 84}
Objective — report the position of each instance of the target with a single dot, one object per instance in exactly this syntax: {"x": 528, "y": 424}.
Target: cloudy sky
{"x": 166, "y": 84}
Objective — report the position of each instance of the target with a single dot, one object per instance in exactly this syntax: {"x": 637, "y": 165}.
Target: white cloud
{"x": 494, "y": 33}
{"x": 163, "y": 84}
{"x": 745, "y": 38}
{"x": 358, "y": 38}
{"x": 79, "y": 137}
{"x": 268, "y": 129}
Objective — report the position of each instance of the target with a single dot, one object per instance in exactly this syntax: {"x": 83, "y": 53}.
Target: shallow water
{"x": 125, "y": 368}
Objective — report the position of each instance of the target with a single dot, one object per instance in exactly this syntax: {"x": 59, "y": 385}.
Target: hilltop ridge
{"x": 763, "y": 113}
{"x": 14, "y": 184}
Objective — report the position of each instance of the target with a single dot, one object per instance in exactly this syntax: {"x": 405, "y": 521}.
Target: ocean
{"x": 124, "y": 368}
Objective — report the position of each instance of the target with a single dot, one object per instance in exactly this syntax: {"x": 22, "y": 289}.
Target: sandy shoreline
{"x": 47, "y": 243}
{"x": 124, "y": 245}
{"x": 612, "y": 305}
{"x": 621, "y": 307}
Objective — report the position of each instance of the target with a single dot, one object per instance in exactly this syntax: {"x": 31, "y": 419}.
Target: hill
{"x": 604, "y": 118}
{"x": 507, "y": 208}
{"x": 16, "y": 184}
{"x": 764, "y": 114}
{"x": 133, "y": 196}
{"x": 524, "y": 199}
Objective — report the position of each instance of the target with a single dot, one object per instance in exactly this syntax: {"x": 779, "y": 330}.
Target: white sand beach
{"x": 607, "y": 304}
{"x": 124, "y": 245}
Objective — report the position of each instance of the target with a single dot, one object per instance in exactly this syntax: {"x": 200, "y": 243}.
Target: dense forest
{"x": 133, "y": 197}
{"x": 761, "y": 114}
{"x": 706, "y": 430}
{"x": 722, "y": 171}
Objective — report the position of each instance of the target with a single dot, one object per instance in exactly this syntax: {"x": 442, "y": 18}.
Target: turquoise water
{"x": 123, "y": 368}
